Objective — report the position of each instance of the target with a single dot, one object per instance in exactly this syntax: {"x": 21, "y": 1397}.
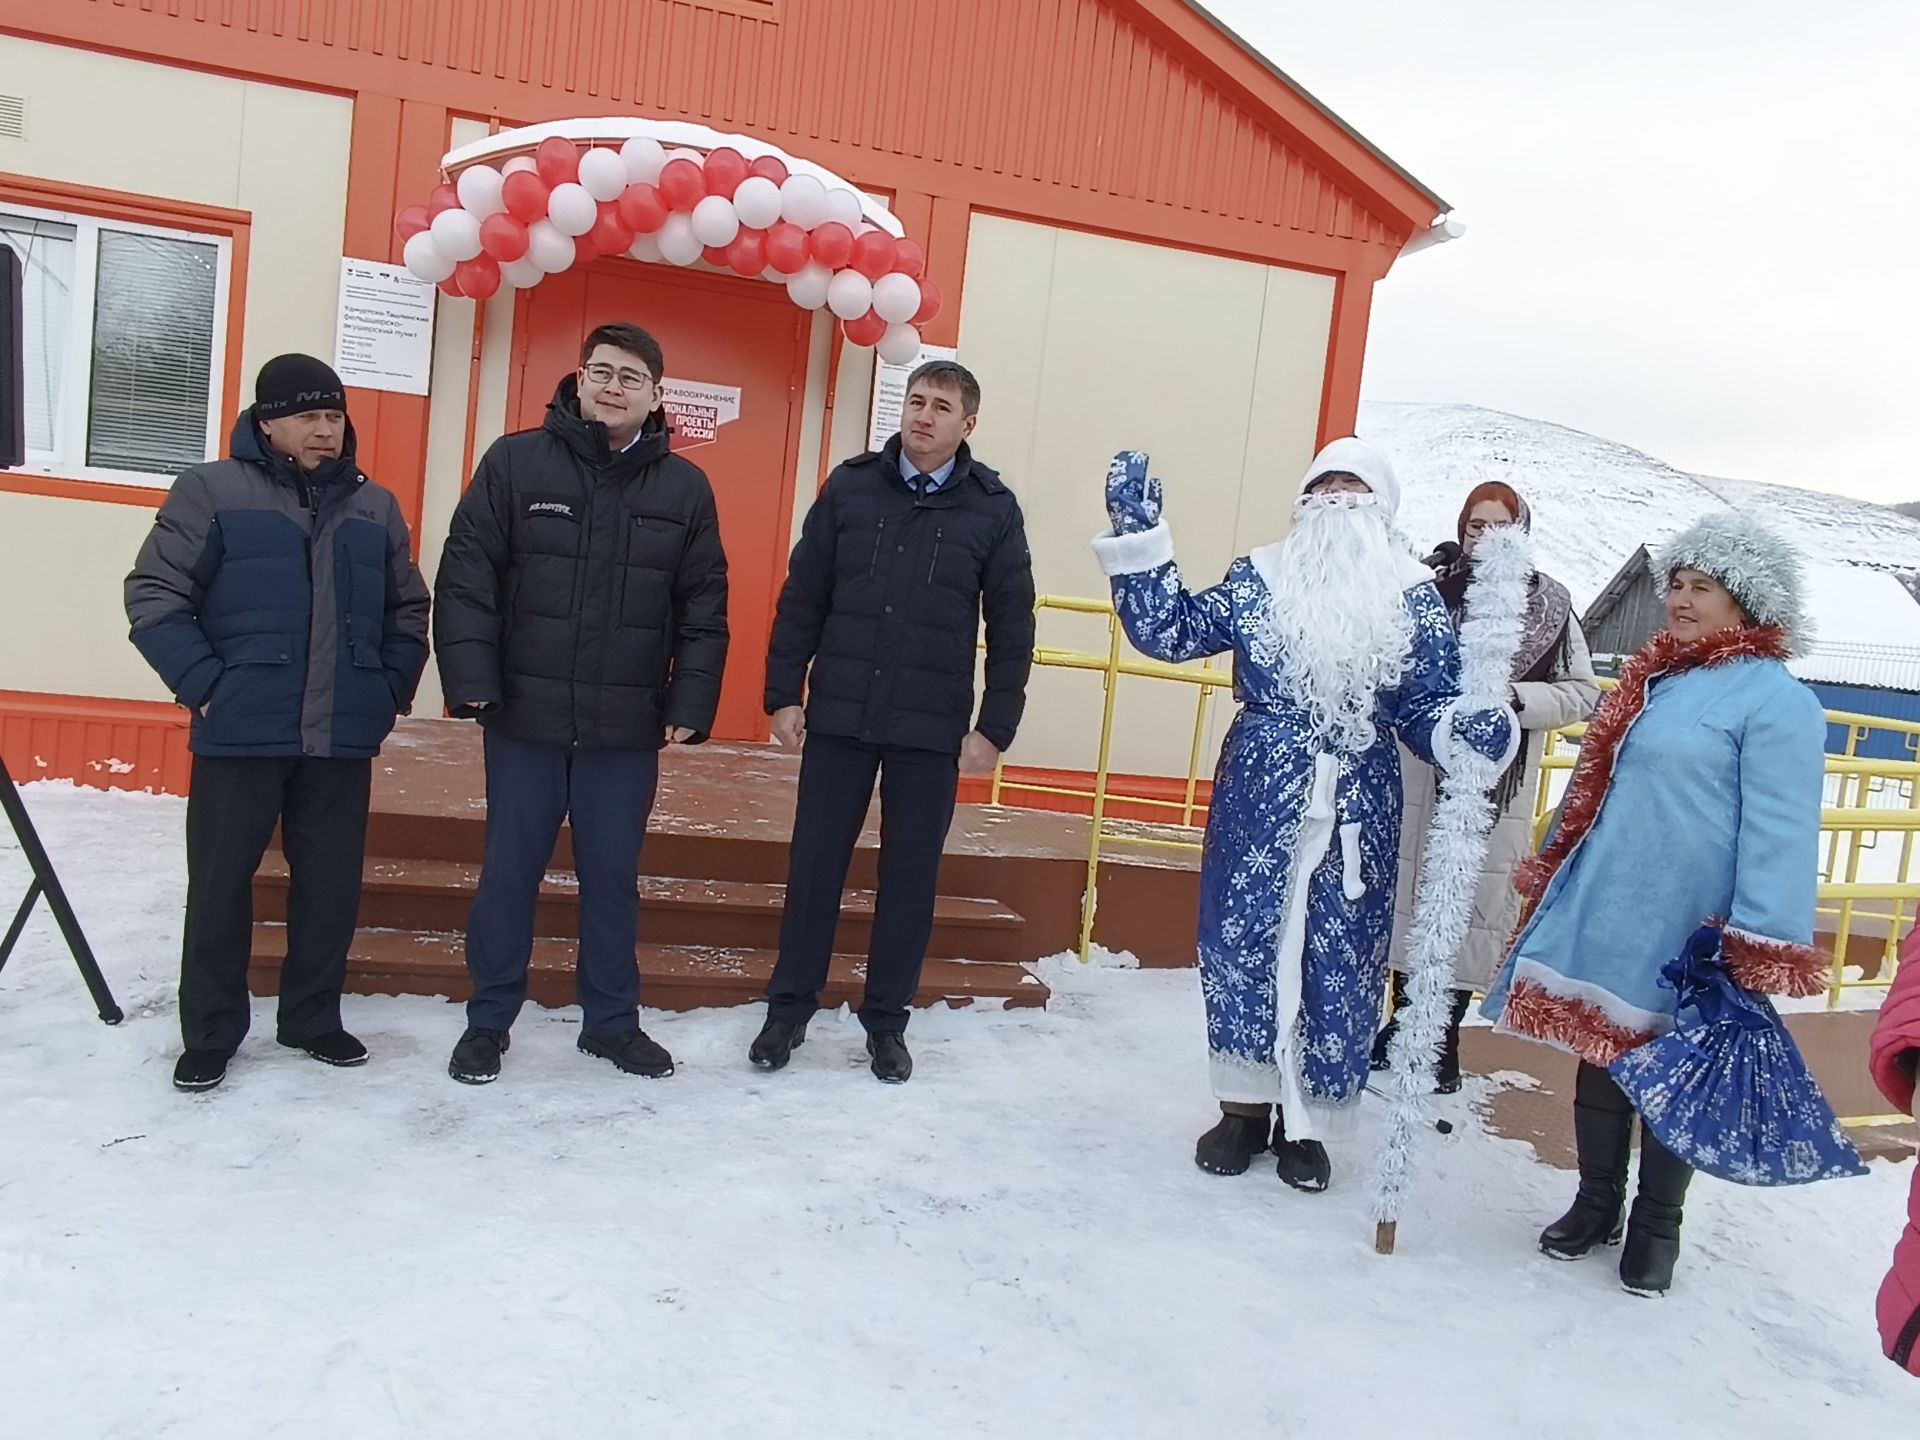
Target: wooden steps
{"x": 672, "y": 977}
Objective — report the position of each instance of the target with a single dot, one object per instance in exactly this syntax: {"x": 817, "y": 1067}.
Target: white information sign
{"x": 697, "y": 410}
{"x": 890, "y": 392}
{"x": 383, "y": 336}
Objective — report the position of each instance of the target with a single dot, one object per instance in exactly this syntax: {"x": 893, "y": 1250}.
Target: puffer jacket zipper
{"x": 879, "y": 538}
{"x": 1908, "y": 1337}
{"x": 939, "y": 532}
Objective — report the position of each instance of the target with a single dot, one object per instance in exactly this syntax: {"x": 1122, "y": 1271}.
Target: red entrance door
{"x": 736, "y": 354}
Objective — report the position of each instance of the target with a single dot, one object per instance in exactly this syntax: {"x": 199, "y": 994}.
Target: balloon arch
{"x": 524, "y": 204}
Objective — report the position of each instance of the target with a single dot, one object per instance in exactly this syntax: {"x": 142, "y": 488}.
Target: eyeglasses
{"x": 1480, "y": 527}
{"x": 629, "y": 379}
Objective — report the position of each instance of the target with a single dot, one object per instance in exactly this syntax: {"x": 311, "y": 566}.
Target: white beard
{"x": 1341, "y": 628}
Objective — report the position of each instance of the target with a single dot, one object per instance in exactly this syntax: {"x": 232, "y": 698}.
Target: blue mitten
{"x": 1487, "y": 731}
{"x": 1133, "y": 496}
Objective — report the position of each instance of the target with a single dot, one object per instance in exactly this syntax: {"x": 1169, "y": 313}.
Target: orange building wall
{"x": 1137, "y": 118}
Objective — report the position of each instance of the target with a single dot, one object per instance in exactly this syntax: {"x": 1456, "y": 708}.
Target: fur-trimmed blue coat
{"x": 1302, "y": 843}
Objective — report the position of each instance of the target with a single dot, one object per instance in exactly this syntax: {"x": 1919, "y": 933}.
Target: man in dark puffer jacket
{"x": 899, "y": 556}
{"x": 582, "y": 619}
{"x": 277, "y": 597}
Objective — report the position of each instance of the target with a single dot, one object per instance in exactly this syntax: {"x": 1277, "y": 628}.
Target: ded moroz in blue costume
{"x": 1340, "y": 644}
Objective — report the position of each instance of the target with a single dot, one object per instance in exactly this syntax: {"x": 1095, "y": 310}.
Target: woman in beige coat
{"x": 1553, "y": 687}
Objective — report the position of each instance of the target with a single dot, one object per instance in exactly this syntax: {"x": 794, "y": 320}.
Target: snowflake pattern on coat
{"x": 1263, "y": 794}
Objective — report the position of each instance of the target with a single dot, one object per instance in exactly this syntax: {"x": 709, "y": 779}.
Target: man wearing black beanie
{"x": 278, "y": 599}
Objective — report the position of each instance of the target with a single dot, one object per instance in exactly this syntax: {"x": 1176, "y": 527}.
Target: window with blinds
{"x": 152, "y": 373}
{"x": 124, "y": 345}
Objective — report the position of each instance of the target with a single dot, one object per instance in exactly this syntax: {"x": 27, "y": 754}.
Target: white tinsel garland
{"x": 1450, "y": 866}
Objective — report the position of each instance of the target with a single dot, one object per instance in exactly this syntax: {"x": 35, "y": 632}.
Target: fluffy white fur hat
{"x": 1760, "y": 570}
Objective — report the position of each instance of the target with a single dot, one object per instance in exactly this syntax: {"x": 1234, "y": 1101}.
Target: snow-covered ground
{"x": 1014, "y": 1244}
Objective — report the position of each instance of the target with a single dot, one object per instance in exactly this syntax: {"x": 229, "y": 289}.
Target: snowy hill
{"x": 1595, "y": 502}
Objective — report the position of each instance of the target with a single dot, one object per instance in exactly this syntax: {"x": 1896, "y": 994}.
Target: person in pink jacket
{"x": 1895, "y": 1055}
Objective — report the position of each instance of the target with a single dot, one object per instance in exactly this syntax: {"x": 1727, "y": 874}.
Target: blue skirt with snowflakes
{"x": 1727, "y": 1091}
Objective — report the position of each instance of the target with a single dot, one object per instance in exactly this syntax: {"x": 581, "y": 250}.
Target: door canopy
{"x": 524, "y": 204}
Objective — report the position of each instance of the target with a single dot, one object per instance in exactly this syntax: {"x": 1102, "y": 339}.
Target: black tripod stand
{"x": 45, "y": 882}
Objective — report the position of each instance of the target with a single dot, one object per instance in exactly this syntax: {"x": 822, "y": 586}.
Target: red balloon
{"x": 682, "y": 184}
{"x": 503, "y": 237}
{"x": 869, "y": 329}
{"x": 444, "y": 197}
{"x": 831, "y": 244}
{"x": 586, "y": 249}
{"x": 716, "y": 256}
{"x": 525, "y": 196}
{"x": 410, "y": 222}
{"x": 929, "y": 301}
{"x": 873, "y": 254}
{"x": 909, "y": 258}
{"x": 478, "y": 279}
{"x": 787, "y": 247}
{"x": 557, "y": 160}
{"x": 642, "y": 210}
{"x": 451, "y": 286}
{"x": 610, "y": 234}
{"x": 748, "y": 253}
{"x": 725, "y": 169}
{"x": 770, "y": 167}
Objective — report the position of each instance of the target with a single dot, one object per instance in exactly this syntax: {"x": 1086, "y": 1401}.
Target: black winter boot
{"x": 892, "y": 1062}
{"x": 200, "y": 1069}
{"x": 1303, "y": 1164}
{"x": 1229, "y": 1147}
{"x": 1603, "y": 1139}
{"x": 1653, "y": 1235}
{"x": 1384, "y": 1037}
{"x": 776, "y": 1042}
{"x": 476, "y": 1056}
{"x": 1446, "y": 1075}
{"x": 634, "y": 1052}
{"x": 336, "y": 1047}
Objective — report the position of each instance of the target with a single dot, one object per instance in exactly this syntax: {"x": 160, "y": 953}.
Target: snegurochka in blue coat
{"x": 1340, "y": 644}
{"x": 1696, "y": 801}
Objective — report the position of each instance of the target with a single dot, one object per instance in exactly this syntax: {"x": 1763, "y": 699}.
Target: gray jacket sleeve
{"x": 1564, "y": 699}
{"x": 177, "y": 563}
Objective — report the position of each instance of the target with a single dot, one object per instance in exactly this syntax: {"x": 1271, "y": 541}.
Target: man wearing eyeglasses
{"x": 581, "y": 618}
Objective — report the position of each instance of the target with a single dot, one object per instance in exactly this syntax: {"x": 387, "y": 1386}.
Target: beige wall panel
{"x": 446, "y": 449}
{"x": 1086, "y": 345}
{"x": 813, "y": 414}
{"x": 202, "y": 139}
{"x": 62, "y": 564}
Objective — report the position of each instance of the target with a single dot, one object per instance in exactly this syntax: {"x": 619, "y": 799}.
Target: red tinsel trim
{"x": 1575, "y": 1025}
{"x": 1662, "y": 655}
{"x": 1774, "y": 967}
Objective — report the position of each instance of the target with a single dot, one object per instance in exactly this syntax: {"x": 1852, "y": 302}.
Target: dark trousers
{"x": 916, "y": 808}
{"x": 234, "y": 803}
{"x": 608, "y": 796}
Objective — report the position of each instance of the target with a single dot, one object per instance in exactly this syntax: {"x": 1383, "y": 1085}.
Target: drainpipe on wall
{"x": 1443, "y": 229}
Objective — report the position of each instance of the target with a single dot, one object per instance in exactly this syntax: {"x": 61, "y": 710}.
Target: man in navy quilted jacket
{"x": 278, "y": 599}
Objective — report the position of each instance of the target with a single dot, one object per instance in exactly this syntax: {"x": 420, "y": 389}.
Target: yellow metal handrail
{"x": 1850, "y": 828}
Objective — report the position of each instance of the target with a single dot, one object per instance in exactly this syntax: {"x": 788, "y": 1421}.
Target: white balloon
{"x": 715, "y": 221}
{"x": 645, "y": 247}
{"x": 698, "y": 157}
{"x": 521, "y": 274}
{"x": 678, "y": 244}
{"x": 603, "y": 173}
{"x": 456, "y": 234}
{"x": 519, "y": 163}
{"x": 571, "y": 209}
{"x": 757, "y": 201}
{"x": 773, "y": 276}
{"x": 803, "y": 201}
{"x": 425, "y": 261}
{"x": 644, "y": 157}
{"x": 549, "y": 247}
{"x": 896, "y": 298}
{"x": 900, "y": 345}
{"x": 850, "y": 295}
{"x": 808, "y": 289}
{"x": 479, "y": 187}
{"x": 844, "y": 206}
